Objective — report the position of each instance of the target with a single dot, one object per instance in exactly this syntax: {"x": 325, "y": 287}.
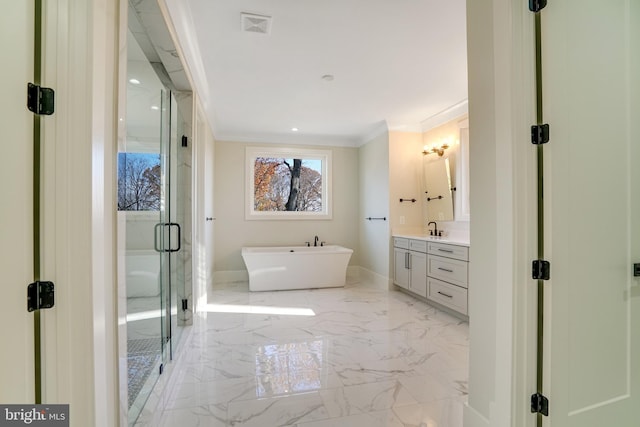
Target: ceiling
{"x": 143, "y": 100}
{"x": 394, "y": 63}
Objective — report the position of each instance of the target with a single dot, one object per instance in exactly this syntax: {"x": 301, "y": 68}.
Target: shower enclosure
{"x": 154, "y": 207}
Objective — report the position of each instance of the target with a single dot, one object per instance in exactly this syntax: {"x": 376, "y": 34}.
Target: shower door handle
{"x": 175, "y": 224}
{"x": 155, "y": 237}
{"x": 166, "y": 226}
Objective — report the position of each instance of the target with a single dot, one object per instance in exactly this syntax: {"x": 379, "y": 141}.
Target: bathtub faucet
{"x": 315, "y": 241}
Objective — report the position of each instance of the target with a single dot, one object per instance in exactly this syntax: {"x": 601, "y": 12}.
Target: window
{"x": 288, "y": 183}
{"x": 138, "y": 182}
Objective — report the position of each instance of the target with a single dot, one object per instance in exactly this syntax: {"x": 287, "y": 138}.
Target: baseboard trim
{"x": 230, "y": 276}
{"x": 377, "y": 280}
{"x": 473, "y": 418}
{"x": 353, "y": 274}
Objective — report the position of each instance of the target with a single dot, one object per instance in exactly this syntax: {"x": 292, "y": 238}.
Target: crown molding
{"x": 444, "y": 116}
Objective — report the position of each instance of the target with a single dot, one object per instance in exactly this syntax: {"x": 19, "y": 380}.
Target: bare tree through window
{"x": 282, "y": 184}
{"x": 139, "y": 182}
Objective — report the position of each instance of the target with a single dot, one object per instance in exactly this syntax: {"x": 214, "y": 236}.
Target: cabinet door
{"x": 449, "y": 295}
{"x": 449, "y": 251}
{"x": 418, "y": 266}
{"x": 401, "y": 242}
{"x": 450, "y": 270}
{"x": 401, "y": 268}
{"x": 418, "y": 245}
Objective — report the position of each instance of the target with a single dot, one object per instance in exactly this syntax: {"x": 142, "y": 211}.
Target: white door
{"x": 16, "y": 184}
{"x": 591, "y": 81}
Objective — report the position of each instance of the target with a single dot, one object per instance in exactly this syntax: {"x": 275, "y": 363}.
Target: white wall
{"x": 203, "y": 247}
{"x": 483, "y": 252}
{"x": 374, "y": 239}
{"x": 500, "y": 49}
{"x": 405, "y": 181}
{"x": 232, "y": 231}
{"x": 79, "y": 334}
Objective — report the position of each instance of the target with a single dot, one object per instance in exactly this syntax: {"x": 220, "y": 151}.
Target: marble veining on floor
{"x": 347, "y": 357}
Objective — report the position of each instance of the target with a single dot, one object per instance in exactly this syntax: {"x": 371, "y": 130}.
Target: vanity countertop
{"x": 452, "y": 240}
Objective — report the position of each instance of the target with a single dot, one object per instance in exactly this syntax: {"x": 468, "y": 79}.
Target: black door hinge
{"x": 40, "y": 100}
{"x": 537, "y": 5}
{"x": 539, "y": 134}
{"x": 40, "y": 295}
{"x": 541, "y": 269}
{"x": 185, "y": 304}
{"x": 539, "y": 404}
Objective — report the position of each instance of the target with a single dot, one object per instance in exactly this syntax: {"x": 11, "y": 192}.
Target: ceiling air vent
{"x": 255, "y": 23}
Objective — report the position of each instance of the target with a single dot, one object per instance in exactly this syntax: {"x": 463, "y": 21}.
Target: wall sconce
{"x": 437, "y": 150}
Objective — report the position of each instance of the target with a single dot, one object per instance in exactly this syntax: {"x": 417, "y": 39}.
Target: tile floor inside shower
{"x": 144, "y": 350}
{"x": 143, "y": 356}
{"x": 349, "y": 357}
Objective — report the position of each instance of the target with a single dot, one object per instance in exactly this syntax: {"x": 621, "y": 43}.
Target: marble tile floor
{"x": 348, "y": 357}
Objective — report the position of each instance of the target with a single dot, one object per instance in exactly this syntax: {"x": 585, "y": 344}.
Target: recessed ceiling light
{"x": 328, "y": 77}
{"x": 155, "y": 107}
{"x": 134, "y": 81}
{"x": 294, "y": 129}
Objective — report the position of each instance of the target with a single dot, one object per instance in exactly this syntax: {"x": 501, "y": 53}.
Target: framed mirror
{"x": 437, "y": 172}
{"x": 462, "y": 211}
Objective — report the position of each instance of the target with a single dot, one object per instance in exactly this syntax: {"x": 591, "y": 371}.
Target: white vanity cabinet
{"x": 448, "y": 275}
{"x": 410, "y": 265}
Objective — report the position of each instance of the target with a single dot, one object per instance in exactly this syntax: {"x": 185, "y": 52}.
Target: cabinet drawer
{"x": 449, "y": 251}
{"x": 418, "y": 245}
{"x": 449, "y": 270}
{"x": 449, "y": 295}
{"x": 400, "y": 242}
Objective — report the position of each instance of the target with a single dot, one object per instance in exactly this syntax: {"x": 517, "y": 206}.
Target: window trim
{"x": 288, "y": 152}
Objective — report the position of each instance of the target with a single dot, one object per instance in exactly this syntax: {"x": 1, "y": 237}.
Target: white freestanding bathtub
{"x": 142, "y": 273}
{"x": 296, "y": 267}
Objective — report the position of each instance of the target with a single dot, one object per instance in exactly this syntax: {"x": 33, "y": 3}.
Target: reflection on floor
{"x": 358, "y": 356}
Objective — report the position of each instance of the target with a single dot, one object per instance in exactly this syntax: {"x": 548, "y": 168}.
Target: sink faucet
{"x": 315, "y": 241}
{"x": 433, "y": 232}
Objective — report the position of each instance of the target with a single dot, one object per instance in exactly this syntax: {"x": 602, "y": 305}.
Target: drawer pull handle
{"x": 445, "y": 295}
{"x": 445, "y": 269}
{"x": 445, "y": 250}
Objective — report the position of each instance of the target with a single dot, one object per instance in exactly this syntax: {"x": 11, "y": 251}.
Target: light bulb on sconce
{"x": 435, "y": 150}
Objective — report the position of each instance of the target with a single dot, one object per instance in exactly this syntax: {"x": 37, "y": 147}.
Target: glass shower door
{"x": 168, "y": 232}
{"x": 139, "y": 210}
{"x": 162, "y": 231}
{"x": 177, "y": 217}
{"x": 152, "y": 237}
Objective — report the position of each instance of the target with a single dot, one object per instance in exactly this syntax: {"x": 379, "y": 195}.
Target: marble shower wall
{"x": 184, "y": 199}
